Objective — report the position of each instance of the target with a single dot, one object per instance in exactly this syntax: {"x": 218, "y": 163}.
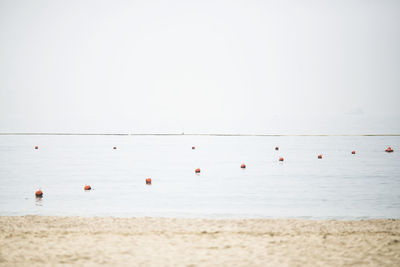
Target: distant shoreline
{"x": 195, "y": 134}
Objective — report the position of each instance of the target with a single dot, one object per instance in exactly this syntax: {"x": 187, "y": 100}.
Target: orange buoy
{"x": 87, "y": 187}
{"x": 276, "y": 148}
{"x": 114, "y": 147}
{"x": 389, "y": 149}
{"x": 36, "y": 147}
{"x": 320, "y": 156}
{"x": 353, "y": 152}
{"x": 148, "y": 180}
{"x": 197, "y": 170}
{"x": 281, "y": 159}
{"x": 243, "y": 166}
{"x": 39, "y": 193}
{"x": 193, "y": 147}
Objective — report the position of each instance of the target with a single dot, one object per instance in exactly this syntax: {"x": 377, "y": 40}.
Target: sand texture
{"x": 37, "y": 240}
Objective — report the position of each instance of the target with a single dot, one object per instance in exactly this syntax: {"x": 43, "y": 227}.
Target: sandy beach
{"x": 40, "y": 240}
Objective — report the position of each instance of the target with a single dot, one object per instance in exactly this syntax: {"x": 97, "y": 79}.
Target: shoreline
{"x": 197, "y": 134}
{"x": 52, "y": 240}
{"x": 208, "y": 217}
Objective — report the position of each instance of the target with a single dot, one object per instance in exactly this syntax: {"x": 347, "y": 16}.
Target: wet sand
{"x": 41, "y": 240}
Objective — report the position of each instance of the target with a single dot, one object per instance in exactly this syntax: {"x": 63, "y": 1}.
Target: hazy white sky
{"x": 202, "y": 66}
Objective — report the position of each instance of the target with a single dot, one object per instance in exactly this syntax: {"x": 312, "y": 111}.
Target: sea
{"x": 341, "y": 185}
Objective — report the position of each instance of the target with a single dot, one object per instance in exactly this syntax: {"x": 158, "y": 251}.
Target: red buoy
{"x": 281, "y": 159}
{"x": 87, "y": 187}
{"x": 36, "y": 147}
{"x": 276, "y": 148}
{"x": 193, "y": 147}
{"x": 320, "y": 156}
{"x": 353, "y": 152}
{"x": 114, "y": 147}
{"x": 148, "y": 180}
{"x": 39, "y": 193}
{"x": 389, "y": 149}
{"x": 197, "y": 170}
{"x": 243, "y": 166}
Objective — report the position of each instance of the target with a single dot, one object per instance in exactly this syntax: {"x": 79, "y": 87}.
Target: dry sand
{"x": 37, "y": 240}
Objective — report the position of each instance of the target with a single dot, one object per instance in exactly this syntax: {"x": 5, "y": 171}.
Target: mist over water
{"x": 271, "y": 67}
{"x": 221, "y": 67}
{"x": 338, "y": 186}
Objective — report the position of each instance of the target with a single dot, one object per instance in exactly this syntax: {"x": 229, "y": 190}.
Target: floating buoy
{"x": 276, "y": 148}
{"x": 281, "y": 159}
{"x": 243, "y": 166}
{"x": 39, "y": 193}
{"x": 114, "y": 147}
{"x": 87, "y": 187}
{"x": 320, "y": 156}
{"x": 197, "y": 170}
{"x": 36, "y": 147}
{"x": 389, "y": 149}
{"x": 148, "y": 180}
{"x": 193, "y": 147}
{"x": 353, "y": 152}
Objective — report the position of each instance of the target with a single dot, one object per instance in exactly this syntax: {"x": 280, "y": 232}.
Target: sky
{"x": 249, "y": 67}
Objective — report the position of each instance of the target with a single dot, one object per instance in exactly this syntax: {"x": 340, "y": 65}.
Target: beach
{"x": 54, "y": 240}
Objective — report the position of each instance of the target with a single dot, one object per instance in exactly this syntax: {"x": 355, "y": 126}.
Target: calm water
{"x": 339, "y": 186}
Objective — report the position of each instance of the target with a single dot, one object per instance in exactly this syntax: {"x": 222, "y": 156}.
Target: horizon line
{"x": 190, "y": 134}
